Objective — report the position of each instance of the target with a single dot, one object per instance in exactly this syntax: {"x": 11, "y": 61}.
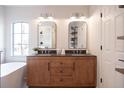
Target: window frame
{"x": 12, "y": 40}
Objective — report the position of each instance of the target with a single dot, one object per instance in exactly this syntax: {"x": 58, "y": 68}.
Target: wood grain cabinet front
{"x": 61, "y": 71}
{"x": 37, "y": 72}
{"x": 86, "y": 71}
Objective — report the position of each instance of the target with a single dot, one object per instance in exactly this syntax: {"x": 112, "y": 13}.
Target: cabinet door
{"x": 86, "y": 71}
{"x": 38, "y": 72}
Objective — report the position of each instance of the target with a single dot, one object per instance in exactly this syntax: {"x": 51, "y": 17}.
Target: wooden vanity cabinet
{"x": 61, "y": 71}
{"x": 37, "y": 72}
{"x": 85, "y": 69}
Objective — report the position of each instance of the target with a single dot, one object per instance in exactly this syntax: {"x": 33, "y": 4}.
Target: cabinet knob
{"x": 61, "y": 63}
{"x": 61, "y": 79}
{"x": 61, "y": 71}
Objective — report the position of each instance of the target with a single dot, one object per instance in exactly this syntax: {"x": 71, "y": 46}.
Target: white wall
{"x": 30, "y": 13}
{"x": 2, "y": 37}
{"x": 1, "y": 28}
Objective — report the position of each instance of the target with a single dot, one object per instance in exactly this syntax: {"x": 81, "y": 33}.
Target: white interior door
{"x": 119, "y": 46}
{"x": 95, "y": 38}
{"x": 108, "y": 65}
{"x": 113, "y": 49}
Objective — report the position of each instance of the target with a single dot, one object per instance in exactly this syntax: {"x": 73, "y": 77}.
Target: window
{"x": 20, "y": 39}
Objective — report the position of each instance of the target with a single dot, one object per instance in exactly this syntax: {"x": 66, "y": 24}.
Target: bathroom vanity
{"x": 69, "y": 68}
{"x": 61, "y": 70}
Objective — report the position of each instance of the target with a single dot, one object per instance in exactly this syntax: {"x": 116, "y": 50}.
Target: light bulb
{"x": 82, "y": 17}
{"x": 50, "y": 17}
{"x": 40, "y": 18}
{"x": 73, "y": 17}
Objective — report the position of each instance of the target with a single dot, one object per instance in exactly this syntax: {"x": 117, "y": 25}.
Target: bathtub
{"x": 12, "y": 75}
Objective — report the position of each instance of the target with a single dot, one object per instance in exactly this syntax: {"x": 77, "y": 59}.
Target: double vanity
{"x": 67, "y": 70}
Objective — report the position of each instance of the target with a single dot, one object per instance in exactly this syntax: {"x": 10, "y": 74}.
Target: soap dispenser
{"x": 63, "y": 52}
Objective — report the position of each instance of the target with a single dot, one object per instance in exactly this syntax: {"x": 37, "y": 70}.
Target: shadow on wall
{"x": 2, "y": 57}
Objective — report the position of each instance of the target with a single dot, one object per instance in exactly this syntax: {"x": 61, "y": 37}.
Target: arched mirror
{"x": 77, "y": 35}
{"x": 47, "y": 34}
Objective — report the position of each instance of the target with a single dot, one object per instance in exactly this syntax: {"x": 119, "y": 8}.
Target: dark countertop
{"x": 66, "y": 55}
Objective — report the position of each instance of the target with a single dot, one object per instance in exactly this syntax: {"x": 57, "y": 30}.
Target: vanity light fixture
{"x": 82, "y": 17}
{"x": 50, "y": 16}
{"x": 46, "y": 17}
{"x": 73, "y": 17}
{"x": 40, "y": 18}
{"x": 77, "y": 16}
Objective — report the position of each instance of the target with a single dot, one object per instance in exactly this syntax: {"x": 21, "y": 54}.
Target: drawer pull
{"x": 48, "y": 66}
{"x": 121, "y": 60}
{"x": 73, "y": 66}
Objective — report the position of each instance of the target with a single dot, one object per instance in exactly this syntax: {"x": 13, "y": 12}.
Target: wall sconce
{"x": 46, "y": 17}
{"x": 77, "y": 16}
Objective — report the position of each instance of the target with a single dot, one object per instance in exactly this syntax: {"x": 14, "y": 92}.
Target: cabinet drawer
{"x": 61, "y": 64}
{"x": 61, "y": 71}
{"x": 61, "y": 79}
